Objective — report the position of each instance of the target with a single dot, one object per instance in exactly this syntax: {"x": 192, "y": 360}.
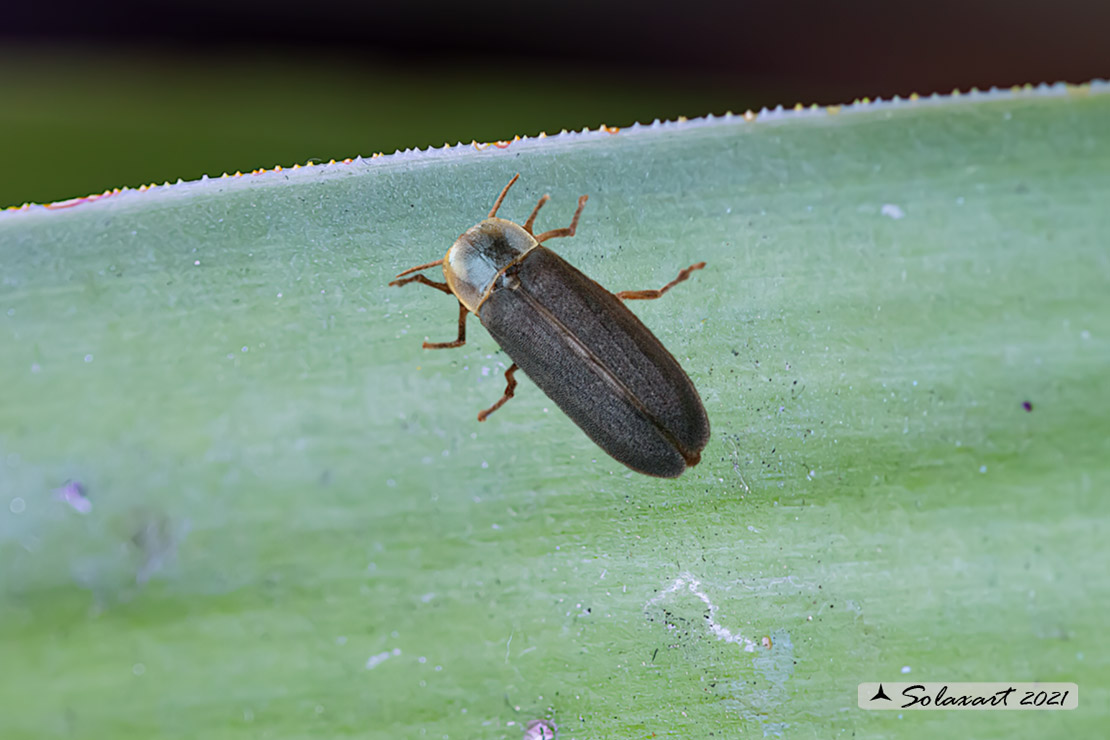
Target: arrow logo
{"x": 880, "y": 694}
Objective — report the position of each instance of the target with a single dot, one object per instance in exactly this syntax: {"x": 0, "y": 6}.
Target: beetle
{"x": 577, "y": 341}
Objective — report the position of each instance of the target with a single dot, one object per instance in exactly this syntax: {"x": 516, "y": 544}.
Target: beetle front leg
{"x": 463, "y": 313}
{"x": 421, "y": 279}
{"x": 650, "y": 295}
{"x": 482, "y": 416}
{"x": 566, "y": 230}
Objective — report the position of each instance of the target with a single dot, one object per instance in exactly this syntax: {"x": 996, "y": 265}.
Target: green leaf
{"x": 299, "y": 528}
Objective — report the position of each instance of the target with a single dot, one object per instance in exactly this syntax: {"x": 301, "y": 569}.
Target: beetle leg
{"x": 566, "y": 231}
{"x": 649, "y": 295}
{"x": 482, "y": 416}
{"x": 424, "y": 280}
{"x": 418, "y": 268}
{"x": 463, "y": 313}
{"x": 532, "y": 218}
{"x": 497, "y": 204}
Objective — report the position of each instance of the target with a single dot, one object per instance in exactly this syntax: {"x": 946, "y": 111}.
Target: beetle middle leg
{"x": 482, "y": 416}
{"x": 461, "y": 340}
{"x": 650, "y": 295}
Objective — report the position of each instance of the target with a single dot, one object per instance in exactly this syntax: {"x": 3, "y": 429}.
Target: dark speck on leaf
{"x": 1027, "y": 405}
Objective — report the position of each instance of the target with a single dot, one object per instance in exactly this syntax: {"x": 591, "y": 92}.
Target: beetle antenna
{"x": 418, "y": 268}
{"x": 501, "y": 197}
{"x": 532, "y": 219}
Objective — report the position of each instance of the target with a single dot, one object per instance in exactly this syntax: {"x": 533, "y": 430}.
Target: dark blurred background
{"x": 95, "y": 95}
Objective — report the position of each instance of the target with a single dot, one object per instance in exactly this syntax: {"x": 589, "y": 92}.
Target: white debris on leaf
{"x": 688, "y": 582}
{"x": 377, "y": 660}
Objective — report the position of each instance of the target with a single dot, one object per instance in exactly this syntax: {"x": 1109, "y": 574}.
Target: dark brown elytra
{"x": 577, "y": 341}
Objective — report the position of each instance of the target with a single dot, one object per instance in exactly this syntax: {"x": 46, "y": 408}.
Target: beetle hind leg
{"x": 483, "y": 415}
{"x": 461, "y": 340}
{"x": 650, "y": 295}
